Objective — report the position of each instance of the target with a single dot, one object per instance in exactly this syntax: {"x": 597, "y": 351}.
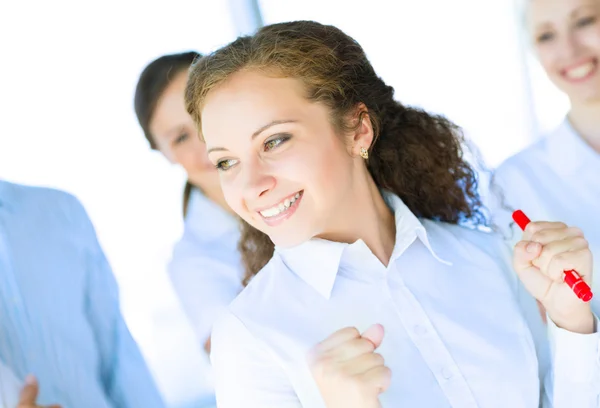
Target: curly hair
{"x": 416, "y": 155}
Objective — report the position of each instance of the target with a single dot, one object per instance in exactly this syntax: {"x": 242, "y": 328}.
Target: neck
{"x": 585, "y": 119}
{"x": 374, "y": 224}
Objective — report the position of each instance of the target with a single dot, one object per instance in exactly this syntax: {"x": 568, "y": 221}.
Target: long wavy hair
{"x": 416, "y": 155}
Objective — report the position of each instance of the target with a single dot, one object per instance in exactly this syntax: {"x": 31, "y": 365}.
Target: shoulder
{"x": 528, "y": 158}
{"x": 32, "y": 195}
{"x": 463, "y": 245}
{"x": 38, "y": 203}
{"x": 263, "y": 286}
{"x": 460, "y": 235}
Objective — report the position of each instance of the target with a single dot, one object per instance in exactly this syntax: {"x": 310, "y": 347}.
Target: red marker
{"x": 572, "y": 278}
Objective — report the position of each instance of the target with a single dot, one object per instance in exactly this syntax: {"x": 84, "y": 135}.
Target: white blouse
{"x": 206, "y": 268}
{"x": 555, "y": 179}
{"x": 460, "y": 329}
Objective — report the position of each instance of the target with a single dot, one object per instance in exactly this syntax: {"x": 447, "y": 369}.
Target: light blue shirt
{"x": 206, "y": 271}
{"x": 59, "y": 306}
{"x": 206, "y": 267}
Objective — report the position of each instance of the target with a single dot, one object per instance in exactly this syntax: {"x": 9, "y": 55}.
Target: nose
{"x": 569, "y": 47}
{"x": 257, "y": 180}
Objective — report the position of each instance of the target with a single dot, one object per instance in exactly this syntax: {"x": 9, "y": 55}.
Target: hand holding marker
{"x": 572, "y": 278}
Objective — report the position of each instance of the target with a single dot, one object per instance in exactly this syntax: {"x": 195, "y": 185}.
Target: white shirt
{"x": 206, "y": 268}
{"x": 555, "y": 179}
{"x": 206, "y": 271}
{"x": 460, "y": 330}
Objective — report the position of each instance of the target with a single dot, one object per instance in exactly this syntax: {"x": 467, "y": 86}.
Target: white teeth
{"x": 281, "y": 207}
{"x": 581, "y": 71}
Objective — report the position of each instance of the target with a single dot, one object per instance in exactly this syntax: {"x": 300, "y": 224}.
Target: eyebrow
{"x": 256, "y": 133}
{"x": 582, "y": 8}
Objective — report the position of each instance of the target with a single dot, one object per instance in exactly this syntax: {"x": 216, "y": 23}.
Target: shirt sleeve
{"x": 205, "y": 285}
{"x": 568, "y": 363}
{"x": 123, "y": 371}
{"x": 574, "y": 380}
{"x": 246, "y": 373}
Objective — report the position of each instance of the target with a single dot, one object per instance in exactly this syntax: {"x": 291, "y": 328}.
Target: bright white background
{"x": 67, "y": 75}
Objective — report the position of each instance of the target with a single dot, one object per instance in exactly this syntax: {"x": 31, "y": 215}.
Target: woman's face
{"x": 566, "y": 36}
{"x": 283, "y": 167}
{"x": 176, "y": 137}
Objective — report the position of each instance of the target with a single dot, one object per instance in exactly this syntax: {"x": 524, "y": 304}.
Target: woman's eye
{"x": 225, "y": 165}
{"x": 545, "y": 37}
{"x": 586, "y": 21}
{"x": 181, "y": 138}
{"x": 275, "y": 142}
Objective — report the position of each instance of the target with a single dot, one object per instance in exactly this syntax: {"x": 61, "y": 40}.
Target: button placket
{"x": 434, "y": 352}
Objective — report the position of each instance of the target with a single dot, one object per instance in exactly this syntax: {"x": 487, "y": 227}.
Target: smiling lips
{"x": 283, "y": 206}
{"x": 582, "y": 71}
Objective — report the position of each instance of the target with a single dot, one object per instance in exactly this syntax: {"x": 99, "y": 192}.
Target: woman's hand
{"x": 347, "y": 370}
{"x": 547, "y": 250}
{"x": 29, "y": 394}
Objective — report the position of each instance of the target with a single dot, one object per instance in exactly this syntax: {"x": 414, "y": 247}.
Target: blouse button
{"x": 446, "y": 373}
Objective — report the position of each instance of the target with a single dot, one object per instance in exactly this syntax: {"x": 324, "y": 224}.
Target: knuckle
{"x": 386, "y": 378}
{"x": 366, "y": 345}
{"x": 575, "y": 231}
{"x": 539, "y": 235}
{"x": 580, "y": 242}
{"x": 351, "y": 331}
{"x": 387, "y": 372}
{"x": 378, "y": 359}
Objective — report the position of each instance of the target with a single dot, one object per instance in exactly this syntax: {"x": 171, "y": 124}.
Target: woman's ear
{"x": 362, "y": 135}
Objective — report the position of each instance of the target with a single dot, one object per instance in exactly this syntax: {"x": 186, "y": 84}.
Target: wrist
{"x": 582, "y": 322}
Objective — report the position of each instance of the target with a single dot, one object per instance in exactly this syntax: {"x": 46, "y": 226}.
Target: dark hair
{"x": 153, "y": 81}
{"x": 416, "y": 155}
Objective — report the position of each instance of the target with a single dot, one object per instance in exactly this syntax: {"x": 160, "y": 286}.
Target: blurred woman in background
{"x": 205, "y": 268}
{"x": 558, "y": 178}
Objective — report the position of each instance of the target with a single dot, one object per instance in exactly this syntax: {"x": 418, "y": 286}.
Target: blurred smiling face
{"x": 566, "y": 37}
{"x": 283, "y": 168}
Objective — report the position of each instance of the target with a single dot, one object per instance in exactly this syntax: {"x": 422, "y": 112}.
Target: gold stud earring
{"x": 364, "y": 153}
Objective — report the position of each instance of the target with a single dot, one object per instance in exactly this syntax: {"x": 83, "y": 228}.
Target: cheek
{"x": 548, "y": 60}
{"x": 232, "y": 194}
{"x": 328, "y": 177}
{"x": 591, "y": 39}
{"x": 187, "y": 160}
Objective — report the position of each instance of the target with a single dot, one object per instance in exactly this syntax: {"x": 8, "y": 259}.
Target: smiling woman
{"x": 351, "y": 203}
{"x": 277, "y": 132}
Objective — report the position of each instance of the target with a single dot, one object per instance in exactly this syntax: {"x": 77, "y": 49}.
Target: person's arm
{"x": 573, "y": 380}
{"x": 204, "y": 285}
{"x": 123, "y": 371}
{"x": 569, "y": 359}
{"x": 246, "y": 373}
